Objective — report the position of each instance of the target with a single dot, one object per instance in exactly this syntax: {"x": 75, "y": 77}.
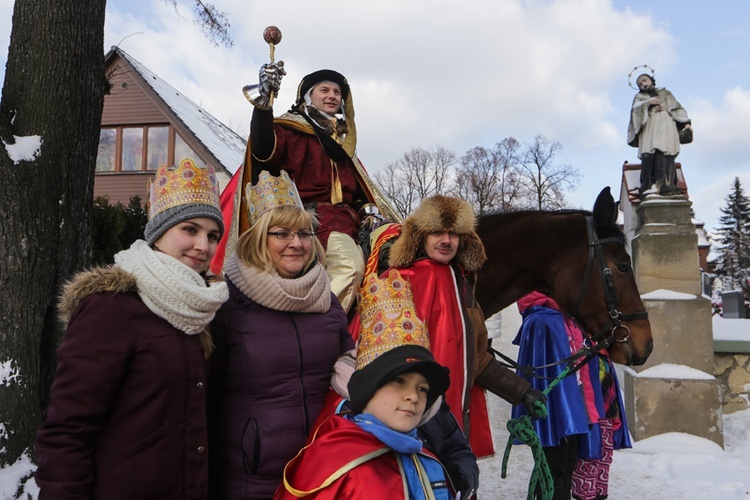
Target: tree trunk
{"x": 54, "y": 89}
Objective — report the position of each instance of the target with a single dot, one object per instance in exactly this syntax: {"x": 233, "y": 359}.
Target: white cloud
{"x": 464, "y": 74}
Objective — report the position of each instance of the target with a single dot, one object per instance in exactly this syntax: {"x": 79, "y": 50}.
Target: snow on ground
{"x": 662, "y": 467}
{"x": 667, "y": 466}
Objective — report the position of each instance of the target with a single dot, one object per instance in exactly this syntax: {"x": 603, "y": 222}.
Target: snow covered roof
{"x": 225, "y": 144}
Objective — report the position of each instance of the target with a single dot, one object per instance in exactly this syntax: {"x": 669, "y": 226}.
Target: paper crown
{"x": 388, "y": 318}
{"x": 182, "y": 185}
{"x": 271, "y": 192}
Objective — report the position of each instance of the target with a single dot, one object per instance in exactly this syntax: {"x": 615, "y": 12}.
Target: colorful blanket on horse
{"x": 578, "y": 402}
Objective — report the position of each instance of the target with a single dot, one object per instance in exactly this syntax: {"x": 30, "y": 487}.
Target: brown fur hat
{"x": 437, "y": 214}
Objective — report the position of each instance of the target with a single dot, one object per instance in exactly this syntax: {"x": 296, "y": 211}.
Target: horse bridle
{"x": 601, "y": 340}
{"x": 616, "y": 317}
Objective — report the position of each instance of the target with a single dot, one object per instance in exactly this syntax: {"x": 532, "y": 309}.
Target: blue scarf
{"x": 407, "y": 446}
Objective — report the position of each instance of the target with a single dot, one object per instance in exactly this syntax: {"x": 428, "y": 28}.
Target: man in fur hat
{"x": 439, "y": 252}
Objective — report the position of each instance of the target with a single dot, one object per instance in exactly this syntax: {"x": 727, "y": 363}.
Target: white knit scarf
{"x": 310, "y": 293}
{"x": 172, "y": 290}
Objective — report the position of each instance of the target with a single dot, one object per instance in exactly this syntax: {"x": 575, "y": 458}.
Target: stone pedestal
{"x": 665, "y": 246}
{"x": 674, "y": 404}
{"x": 675, "y": 390}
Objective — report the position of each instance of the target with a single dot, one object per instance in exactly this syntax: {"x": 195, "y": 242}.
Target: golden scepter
{"x": 272, "y": 36}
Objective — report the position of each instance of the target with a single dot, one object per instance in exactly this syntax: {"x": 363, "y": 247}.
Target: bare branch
{"x": 212, "y": 22}
{"x": 545, "y": 180}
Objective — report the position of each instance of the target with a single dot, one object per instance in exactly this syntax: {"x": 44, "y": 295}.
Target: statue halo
{"x": 646, "y": 67}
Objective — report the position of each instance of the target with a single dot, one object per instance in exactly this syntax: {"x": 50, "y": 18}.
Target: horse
{"x": 579, "y": 259}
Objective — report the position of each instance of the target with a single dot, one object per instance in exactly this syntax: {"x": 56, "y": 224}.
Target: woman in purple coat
{"x": 127, "y": 414}
{"x": 277, "y": 339}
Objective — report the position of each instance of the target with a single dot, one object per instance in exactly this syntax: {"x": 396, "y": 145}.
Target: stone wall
{"x": 733, "y": 370}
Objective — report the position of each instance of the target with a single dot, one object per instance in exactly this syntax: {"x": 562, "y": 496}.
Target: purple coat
{"x": 127, "y": 414}
{"x": 270, "y": 374}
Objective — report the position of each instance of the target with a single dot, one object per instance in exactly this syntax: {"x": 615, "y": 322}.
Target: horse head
{"x": 608, "y": 306}
{"x": 579, "y": 259}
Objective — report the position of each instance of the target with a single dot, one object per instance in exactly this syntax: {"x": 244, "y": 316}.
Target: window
{"x": 182, "y": 151}
{"x": 105, "y": 159}
{"x": 132, "y": 149}
{"x": 141, "y": 149}
{"x": 158, "y": 147}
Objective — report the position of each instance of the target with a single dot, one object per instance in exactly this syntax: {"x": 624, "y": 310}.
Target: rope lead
{"x": 521, "y": 429}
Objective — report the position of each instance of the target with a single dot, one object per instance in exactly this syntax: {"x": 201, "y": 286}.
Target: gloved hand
{"x": 530, "y": 401}
{"x": 466, "y": 493}
{"x": 269, "y": 82}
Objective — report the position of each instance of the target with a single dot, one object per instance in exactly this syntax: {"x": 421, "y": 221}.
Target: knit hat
{"x": 434, "y": 215}
{"x": 392, "y": 341}
{"x": 179, "y": 193}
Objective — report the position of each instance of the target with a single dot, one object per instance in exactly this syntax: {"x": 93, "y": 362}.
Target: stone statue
{"x": 658, "y": 125}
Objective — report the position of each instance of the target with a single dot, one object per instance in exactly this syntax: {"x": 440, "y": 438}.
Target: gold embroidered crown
{"x": 388, "y": 318}
{"x": 271, "y": 192}
{"x": 182, "y": 185}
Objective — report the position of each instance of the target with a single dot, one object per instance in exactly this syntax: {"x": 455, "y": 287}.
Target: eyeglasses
{"x": 286, "y": 234}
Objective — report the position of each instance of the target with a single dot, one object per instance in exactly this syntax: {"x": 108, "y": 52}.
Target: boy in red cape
{"x": 374, "y": 451}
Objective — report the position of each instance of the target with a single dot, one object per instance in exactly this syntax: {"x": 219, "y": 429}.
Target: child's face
{"x": 400, "y": 403}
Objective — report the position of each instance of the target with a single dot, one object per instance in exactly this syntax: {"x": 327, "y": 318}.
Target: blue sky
{"x": 470, "y": 73}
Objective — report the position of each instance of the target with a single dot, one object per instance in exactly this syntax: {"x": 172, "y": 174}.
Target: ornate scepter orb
{"x": 272, "y": 36}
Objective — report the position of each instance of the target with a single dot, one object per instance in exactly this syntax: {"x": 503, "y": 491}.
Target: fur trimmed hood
{"x": 95, "y": 280}
{"x": 437, "y": 214}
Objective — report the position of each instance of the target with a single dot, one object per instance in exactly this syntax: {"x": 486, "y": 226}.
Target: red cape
{"x": 437, "y": 303}
{"x": 339, "y": 443}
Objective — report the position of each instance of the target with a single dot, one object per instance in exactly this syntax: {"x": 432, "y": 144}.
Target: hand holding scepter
{"x": 270, "y": 75}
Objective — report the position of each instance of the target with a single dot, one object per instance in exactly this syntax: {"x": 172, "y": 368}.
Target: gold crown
{"x": 388, "y": 318}
{"x": 271, "y": 192}
{"x": 180, "y": 185}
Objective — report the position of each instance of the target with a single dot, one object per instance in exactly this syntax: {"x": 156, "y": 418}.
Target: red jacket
{"x": 127, "y": 415}
{"x": 339, "y": 443}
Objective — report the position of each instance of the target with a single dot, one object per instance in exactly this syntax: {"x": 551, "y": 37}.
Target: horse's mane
{"x": 524, "y": 213}
{"x": 499, "y": 216}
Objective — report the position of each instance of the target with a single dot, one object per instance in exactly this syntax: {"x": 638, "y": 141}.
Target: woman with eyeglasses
{"x": 277, "y": 339}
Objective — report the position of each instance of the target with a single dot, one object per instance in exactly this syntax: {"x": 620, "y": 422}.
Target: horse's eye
{"x": 623, "y": 267}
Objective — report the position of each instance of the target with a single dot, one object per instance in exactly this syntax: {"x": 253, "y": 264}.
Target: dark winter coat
{"x": 270, "y": 374}
{"x": 443, "y": 437}
{"x": 127, "y": 415}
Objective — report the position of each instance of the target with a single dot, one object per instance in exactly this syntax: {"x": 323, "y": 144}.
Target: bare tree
{"x": 417, "y": 174}
{"x": 544, "y": 179}
{"x": 489, "y": 178}
{"x": 50, "y": 118}
{"x": 211, "y": 21}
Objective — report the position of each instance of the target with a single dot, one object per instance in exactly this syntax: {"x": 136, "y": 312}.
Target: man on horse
{"x": 439, "y": 253}
{"x": 315, "y": 143}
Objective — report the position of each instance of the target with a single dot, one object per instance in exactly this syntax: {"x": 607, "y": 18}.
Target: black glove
{"x": 530, "y": 401}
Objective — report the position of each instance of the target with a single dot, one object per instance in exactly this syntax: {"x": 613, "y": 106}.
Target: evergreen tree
{"x": 135, "y": 222}
{"x": 107, "y": 224}
{"x": 733, "y": 263}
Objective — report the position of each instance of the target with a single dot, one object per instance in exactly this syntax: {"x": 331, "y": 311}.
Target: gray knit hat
{"x": 179, "y": 193}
